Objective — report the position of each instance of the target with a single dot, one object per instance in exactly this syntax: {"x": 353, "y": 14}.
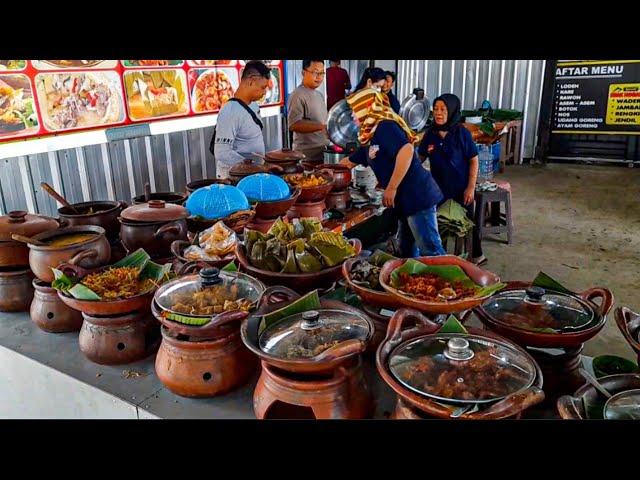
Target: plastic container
{"x": 485, "y": 160}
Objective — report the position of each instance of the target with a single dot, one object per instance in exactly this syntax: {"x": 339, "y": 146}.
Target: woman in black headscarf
{"x": 453, "y": 159}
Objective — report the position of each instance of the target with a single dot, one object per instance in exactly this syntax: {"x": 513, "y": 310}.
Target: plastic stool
{"x": 500, "y": 222}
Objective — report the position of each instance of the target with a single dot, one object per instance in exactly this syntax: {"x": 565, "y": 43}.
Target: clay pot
{"x": 261, "y": 224}
{"x": 276, "y": 208}
{"x": 341, "y": 175}
{"x": 119, "y": 340}
{"x": 105, "y": 215}
{"x": 196, "y": 184}
{"x": 340, "y": 200}
{"x": 305, "y": 210}
{"x": 16, "y": 254}
{"x": 176, "y": 198}
{"x": 92, "y": 253}
{"x": 287, "y": 159}
{"x": 49, "y": 313}
{"x": 248, "y": 167}
{"x": 16, "y": 289}
{"x": 203, "y": 368}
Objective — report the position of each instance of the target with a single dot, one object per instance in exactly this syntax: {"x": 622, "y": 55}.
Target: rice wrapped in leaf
{"x": 307, "y": 262}
{"x": 251, "y": 237}
{"x": 332, "y": 247}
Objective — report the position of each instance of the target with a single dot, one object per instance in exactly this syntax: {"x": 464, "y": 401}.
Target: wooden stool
{"x": 500, "y": 222}
{"x": 461, "y": 245}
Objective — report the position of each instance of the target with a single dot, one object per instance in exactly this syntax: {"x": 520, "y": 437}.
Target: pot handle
{"x": 225, "y": 318}
{"x": 357, "y": 245}
{"x": 63, "y": 222}
{"x": 327, "y": 171}
{"x": 512, "y": 405}
{"x": 342, "y": 350}
{"x": 192, "y": 266}
{"x": 296, "y": 193}
{"x": 276, "y": 169}
{"x": 626, "y": 320}
{"x": 604, "y": 293}
{"x": 123, "y": 204}
{"x": 271, "y": 294}
{"x": 176, "y": 246}
{"x": 168, "y": 228}
{"x": 72, "y": 270}
{"x": 78, "y": 257}
{"x": 394, "y": 330}
{"x": 567, "y": 408}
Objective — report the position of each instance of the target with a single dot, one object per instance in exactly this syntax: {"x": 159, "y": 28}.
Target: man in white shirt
{"x": 238, "y": 132}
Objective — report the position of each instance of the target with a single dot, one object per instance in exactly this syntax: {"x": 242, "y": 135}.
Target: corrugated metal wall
{"x": 512, "y": 84}
{"x": 114, "y": 170}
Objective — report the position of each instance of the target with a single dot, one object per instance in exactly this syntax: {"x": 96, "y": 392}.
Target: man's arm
{"x": 226, "y": 130}
{"x": 297, "y": 122}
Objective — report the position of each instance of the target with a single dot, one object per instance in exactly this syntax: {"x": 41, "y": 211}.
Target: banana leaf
{"x": 487, "y": 128}
{"x": 230, "y": 267}
{"x": 251, "y": 237}
{"x": 545, "y": 281}
{"x": 452, "y": 325}
{"x": 310, "y": 301}
{"x": 332, "y": 247}
{"x": 306, "y": 261}
{"x": 137, "y": 259}
{"x": 450, "y": 273}
{"x": 280, "y": 230}
{"x": 452, "y": 210}
{"x": 344, "y": 295}
{"x": 81, "y": 292}
{"x": 61, "y": 281}
{"x": 197, "y": 321}
{"x": 310, "y": 226}
{"x": 290, "y": 265}
{"x": 156, "y": 272}
{"x": 379, "y": 258}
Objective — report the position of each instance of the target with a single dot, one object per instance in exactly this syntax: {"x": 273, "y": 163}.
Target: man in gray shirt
{"x": 237, "y": 134}
{"x": 307, "y": 112}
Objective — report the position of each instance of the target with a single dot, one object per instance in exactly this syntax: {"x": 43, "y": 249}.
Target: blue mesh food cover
{"x": 216, "y": 201}
{"x": 264, "y": 187}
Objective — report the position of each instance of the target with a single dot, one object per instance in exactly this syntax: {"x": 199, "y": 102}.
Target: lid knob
{"x": 156, "y": 204}
{"x": 17, "y": 216}
{"x": 210, "y": 276}
{"x": 458, "y": 349}
{"x": 535, "y": 294}
{"x": 419, "y": 93}
{"x": 310, "y": 320}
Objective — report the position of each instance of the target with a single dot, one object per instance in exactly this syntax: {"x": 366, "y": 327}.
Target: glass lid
{"x": 208, "y": 293}
{"x": 461, "y": 368}
{"x": 308, "y": 334}
{"x": 540, "y": 310}
{"x": 623, "y": 406}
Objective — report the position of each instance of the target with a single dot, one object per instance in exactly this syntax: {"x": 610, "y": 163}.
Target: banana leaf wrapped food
{"x": 297, "y": 247}
{"x": 452, "y": 220}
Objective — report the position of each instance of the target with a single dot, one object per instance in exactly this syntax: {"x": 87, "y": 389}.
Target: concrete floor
{"x": 581, "y": 225}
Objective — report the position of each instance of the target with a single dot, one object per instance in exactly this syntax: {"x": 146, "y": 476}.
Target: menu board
{"x": 593, "y": 97}
{"x": 45, "y": 97}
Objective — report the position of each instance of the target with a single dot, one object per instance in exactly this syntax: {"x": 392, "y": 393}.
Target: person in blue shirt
{"x": 388, "y": 89}
{"x": 386, "y": 145}
{"x": 453, "y": 159}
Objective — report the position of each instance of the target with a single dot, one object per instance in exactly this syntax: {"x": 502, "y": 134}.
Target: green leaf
{"x": 230, "y": 267}
{"x": 487, "y": 128}
{"x": 545, "y": 281}
{"x": 61, "y": 281}
{"x": 450, "y": 273}
{"x": 490, "y": 289}
{"x": 310, "y": 301}
{"x": 198, "y": 321}
{"x": 137, "y": 259}
{"x": 452, "y": 325}
{"x": 155, "y": 271}
{"x": 344, "y": 295}
{"x": 379, "y": 258}
{"x": 611, "y": 365}
{"x": 452, "y": 210}
{"x": 81, "y": 292}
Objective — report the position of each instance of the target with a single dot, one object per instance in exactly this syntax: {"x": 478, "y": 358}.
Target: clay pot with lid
{"x": 49, "y": 313}
{"x": 249, "y": 167}
{"x": 287, "y": 159}
{"x": 534, "y": 317}
{"x": 93, "y": 252}
{"x": 313, "y": 342}
{"x": 16, "y": 254}
{"x": 101, "y": 214}
{"x": 153, "y": 226}
{"x": 307, "y": 209}
{"x": 207, "y": 358}
{"x": 16, "y": 289}
{"x": 176, "y": 198}
{"x": 479, "y": 375}
{"x": 205, "y": 182}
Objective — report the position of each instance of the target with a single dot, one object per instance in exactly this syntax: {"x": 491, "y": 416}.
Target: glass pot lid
{"x": 308, "y": 334}
{"x": 623, "y": 406}
{"x": 461, "y": 368}
{"x": 540, "y": 310}
{"x": 26, "y": 224}
{"x": 208, "y": 293}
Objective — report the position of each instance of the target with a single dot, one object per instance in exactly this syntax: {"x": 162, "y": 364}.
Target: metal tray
{"x": 341, "y": 126}
{"x": 415, "y": 112}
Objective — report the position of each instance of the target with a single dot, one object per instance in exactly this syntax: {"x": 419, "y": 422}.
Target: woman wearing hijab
{"x": 453, "y": 157}
{"x": 386, "y": 145}
{"x": 372, "y": 77}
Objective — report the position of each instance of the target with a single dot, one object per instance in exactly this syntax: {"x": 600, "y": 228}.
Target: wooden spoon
{"x": 29, "y": 240}
{"x": 47, "y": 188}
{"x": 147, "y": 192}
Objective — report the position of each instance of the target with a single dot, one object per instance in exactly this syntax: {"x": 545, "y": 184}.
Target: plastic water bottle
{"x": 485, "y": 159}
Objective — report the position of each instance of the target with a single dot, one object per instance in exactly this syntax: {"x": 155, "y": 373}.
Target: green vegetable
{"x": 230, "y": 267}
{"x": 198, "y": 321}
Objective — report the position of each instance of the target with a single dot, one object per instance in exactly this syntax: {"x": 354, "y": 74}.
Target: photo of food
{"x": 273, "y": 90}
{"x": 158, "y": 93}
{"x": 79, "y": 99}
{"x": 152, "y": 63}
{"x": 17, "y": 109}
{"x": 266, "y": 62}
{"x": 78, "y": 64}
{"x": 12, "y": 64}
{"x": 212, "y": 88}
{"x": 207, "y": 63}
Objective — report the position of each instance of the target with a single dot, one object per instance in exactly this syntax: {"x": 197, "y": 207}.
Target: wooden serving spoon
{"x": 47, "y": 188}
{"x": 28, "y": 240}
